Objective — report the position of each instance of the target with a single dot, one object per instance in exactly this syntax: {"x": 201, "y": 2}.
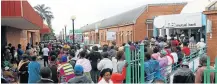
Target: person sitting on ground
{"x": 105, "y": 62}
{"x": 65, "y": 70}
{"x": 79, "y": 76}
{"x": 45, "y": 75}
{"x": 184, "y": 74}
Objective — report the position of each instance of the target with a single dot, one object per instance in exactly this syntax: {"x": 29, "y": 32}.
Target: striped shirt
{"x": 66, "y": 71}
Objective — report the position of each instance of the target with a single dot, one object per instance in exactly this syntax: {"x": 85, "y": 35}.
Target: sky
{"x": 89, "y": 11}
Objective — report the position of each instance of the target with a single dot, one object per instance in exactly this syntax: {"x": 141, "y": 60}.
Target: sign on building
{"x": 209, "y": 26}
{"x": 190, "y": 20}
{"x": 110, "y": 36}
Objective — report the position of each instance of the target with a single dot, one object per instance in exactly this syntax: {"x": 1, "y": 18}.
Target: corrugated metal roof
{"x": 126, "y": 18}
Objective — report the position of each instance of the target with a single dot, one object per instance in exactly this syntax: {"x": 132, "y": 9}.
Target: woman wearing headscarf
{"x": 23, "y": 69}
{"x": 163, "y": 62}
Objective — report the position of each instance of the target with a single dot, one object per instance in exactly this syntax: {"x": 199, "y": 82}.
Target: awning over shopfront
{"x": 20, "y": 14}
{"x": 187, "y": 20}
{"x": 45, "y": 29}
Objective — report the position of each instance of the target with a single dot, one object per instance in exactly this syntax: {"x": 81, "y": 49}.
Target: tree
{"x": 47, "y": 16}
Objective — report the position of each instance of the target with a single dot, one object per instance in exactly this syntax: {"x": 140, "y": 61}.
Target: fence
{"x": 208, "y": 70}
{"x": 135, "y": 72}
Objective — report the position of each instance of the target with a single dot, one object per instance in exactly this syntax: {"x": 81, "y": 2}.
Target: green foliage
{"x": 47, "y": 16}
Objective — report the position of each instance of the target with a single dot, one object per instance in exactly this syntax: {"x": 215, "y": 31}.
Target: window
{"x": 104, "y": 36}
{"x": 150, "y": 30}
{"x": 101, "y": 39}
{"x": 122, "y": 37}
{"x": 128, "y": 36}
{"x": 131, "y": 35}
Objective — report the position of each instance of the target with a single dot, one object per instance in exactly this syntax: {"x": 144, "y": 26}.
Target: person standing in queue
{"x": 79, "y": 76}
{"x": 46, "y": 74}
{"x": 106, "y": 76}
{"x": 45, "y": 51}
{"x": 85, "y": 63}
{"x": 65, "y": 70}
{"x": 53, "y": 67}
{"x": 33, "y": 70}
{"x": 23, "y": 69}
{"x": 94, "y": 58}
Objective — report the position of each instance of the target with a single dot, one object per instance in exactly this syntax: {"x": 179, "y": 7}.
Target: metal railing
{"x": 209, "y": 70}
{"x": 136, "y": 72}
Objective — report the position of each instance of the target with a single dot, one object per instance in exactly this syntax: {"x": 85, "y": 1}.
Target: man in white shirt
{"x": 105, "y": 62}
{"x": 45, "y": 51}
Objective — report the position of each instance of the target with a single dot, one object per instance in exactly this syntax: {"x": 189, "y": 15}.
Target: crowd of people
{"x": 75, "y": 63}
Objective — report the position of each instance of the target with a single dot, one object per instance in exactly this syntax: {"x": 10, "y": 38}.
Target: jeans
{"x": 45, "y": 60}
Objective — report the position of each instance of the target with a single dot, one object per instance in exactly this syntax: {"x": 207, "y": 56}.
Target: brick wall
{"x": 140, "y": 31}
{"x": 212, "y": 42}
{"x": 17, "y": 36}
{"x": 13, "y": 36}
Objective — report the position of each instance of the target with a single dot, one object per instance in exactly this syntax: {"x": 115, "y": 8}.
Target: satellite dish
{"x": 159, "y": 22}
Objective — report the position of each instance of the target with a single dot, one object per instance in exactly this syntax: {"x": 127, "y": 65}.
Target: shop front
{"x": 179, "y": 25}
{"x": 17, "y": 18}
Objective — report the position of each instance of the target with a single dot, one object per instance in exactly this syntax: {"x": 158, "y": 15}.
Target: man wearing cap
{"x": 79, "y": 76}
{"x": 65, "y": 70}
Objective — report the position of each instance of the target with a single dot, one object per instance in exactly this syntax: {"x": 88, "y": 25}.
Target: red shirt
{"x": 186, "y": 51}
{"x": 118, "y": 78}
{"x": 175, "y": 43}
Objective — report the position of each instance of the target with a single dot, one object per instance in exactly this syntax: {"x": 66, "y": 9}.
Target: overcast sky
{"x": 89, "y": 11}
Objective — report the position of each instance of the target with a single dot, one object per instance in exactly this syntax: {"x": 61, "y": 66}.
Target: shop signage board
{"x": 188, "y": 20}
{"x": 110, "y": 36}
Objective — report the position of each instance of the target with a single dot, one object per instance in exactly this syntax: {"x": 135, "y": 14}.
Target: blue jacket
{"x": 152, "y": 69}
{"x": 34, "y": 72}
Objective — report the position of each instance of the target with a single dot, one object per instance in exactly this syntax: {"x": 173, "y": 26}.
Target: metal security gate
{"x": 135, "y": 60}
{"x": 208, "y": 70}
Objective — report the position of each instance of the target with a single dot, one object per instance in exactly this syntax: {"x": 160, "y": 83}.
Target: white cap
{"x": 202, "y": 40}
{"x": 6, "y": 68}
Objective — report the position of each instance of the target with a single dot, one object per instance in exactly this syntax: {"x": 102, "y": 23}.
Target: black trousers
{"x": 94, "y": 75}
{"x": 45, "y": 60}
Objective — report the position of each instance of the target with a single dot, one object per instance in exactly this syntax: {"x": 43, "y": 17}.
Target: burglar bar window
{"x": 150, "y": 30}
{"x": 101, "y": 37}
